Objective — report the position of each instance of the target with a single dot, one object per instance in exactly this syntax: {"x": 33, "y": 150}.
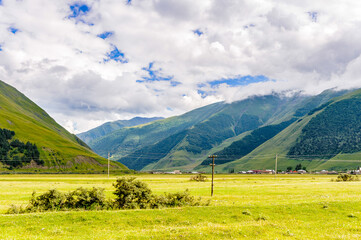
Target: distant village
{"x": 270, "y": 171}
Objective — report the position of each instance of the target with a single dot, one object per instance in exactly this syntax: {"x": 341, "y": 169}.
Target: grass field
{"x": 243, "y": 207}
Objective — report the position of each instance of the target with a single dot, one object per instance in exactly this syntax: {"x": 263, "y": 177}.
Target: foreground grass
{"x": 250, "y": 207}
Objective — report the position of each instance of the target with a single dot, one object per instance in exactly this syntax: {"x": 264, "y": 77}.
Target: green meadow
{"x": 243, "y": 207}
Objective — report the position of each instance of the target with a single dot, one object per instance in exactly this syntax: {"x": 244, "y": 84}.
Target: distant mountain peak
{"x": 109, "y": 127}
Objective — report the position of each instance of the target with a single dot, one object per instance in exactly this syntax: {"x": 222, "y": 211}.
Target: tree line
{"x": 14, "y": 152}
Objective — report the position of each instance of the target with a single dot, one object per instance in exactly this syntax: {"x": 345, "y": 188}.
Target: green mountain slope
{"x": 326, "y": 138}
{"x": 248, "y": 143}
{"x": 184, "y": 141}
{"x": 110, "y": 127}
{"x": 58, "y": 149}
{"x": 127, "y": 140}
{"x": 195, "y": 142}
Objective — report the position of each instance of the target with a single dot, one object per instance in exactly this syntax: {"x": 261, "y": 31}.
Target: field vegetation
{"x": 243, "y": 207}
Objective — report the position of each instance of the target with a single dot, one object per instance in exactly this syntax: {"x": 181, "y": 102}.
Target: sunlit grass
{"x": 244, "y": 206}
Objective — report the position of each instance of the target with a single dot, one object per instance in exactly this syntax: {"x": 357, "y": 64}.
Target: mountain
{"x": 30, "y": 140}
{"x": 182, "y": 142}
{"x": 127, "y": 140}
{"x": 245, "y": 135}
{"x": 110, "y": 127}
{"x": 186, "y": 148}
{"x": 328, "y": 137}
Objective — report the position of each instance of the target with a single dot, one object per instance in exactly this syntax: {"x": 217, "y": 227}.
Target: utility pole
{"x": 212, "y": 164}
{"x": 108, "y": 163}
{"x": 276, "y": 167}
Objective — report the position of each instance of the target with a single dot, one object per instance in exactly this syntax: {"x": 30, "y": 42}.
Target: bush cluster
{"x": 198, "y": 178}
{"x": 130, "y": 194}
{"x": 345, "y": 177}
{"x": 54, "y": 200}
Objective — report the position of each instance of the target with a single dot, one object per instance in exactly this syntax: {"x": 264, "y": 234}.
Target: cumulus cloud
{"x": 90, "y": 61}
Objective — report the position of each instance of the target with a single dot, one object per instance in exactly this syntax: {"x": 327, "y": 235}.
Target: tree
{"x": 298, "y": 167}
{"x": 289, "y": 169}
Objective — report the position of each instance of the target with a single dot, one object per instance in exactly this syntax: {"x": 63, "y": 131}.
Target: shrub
{"x": 131, "y": 193}
{"x": 198, "y": 178}
{"x": 50, "y": 200}
{"x": 178, "y": 199}
{"x": 86, "y": 198}
{"x": 14, "y": 209}
{"x": 80, "y": 198}
{"x": 345, "y": 177}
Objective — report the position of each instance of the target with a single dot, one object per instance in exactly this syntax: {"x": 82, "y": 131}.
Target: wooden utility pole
{"x": 108, "y": 163}
{"x": 212, "y": 164}
{"x": 276, "y": 167}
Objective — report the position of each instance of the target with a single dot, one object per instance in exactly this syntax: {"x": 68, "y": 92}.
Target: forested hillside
{"x": 336, "y": 129}
{"x": 327, "y": 137}
{"x": 241, "y": 148}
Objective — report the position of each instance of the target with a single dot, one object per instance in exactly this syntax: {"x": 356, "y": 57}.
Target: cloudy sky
{"x": 87, "y": 62}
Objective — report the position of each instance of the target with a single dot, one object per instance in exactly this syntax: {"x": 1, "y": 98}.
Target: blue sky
{"x": 87, "y": 62}
{"x": 154, "y": 74}
{"x": 78, "y": 10}
{"x": 115, "y": 55}
{"x": 105, "y": 35}
{"x": 198, "y": 32}
{"x": 13, "y": 30}
{"x": 239, "y": 81}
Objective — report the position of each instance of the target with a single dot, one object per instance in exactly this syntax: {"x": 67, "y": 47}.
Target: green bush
{"x": 198, "y": 178}
{"x": 86, "y": 199}
{"x": 50, "y": 200}
{"x": 345, "y": 177}
{"x": 131, "y": 193}
{"x": 178, "y": 199}
{"x": 80, "y": 198}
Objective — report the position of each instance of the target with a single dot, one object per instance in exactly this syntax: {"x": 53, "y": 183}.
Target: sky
{"x": 88, "y": 62}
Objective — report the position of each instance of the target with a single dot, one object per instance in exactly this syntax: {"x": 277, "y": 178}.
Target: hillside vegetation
{"x": 58, "y": 149}
{"x": 247, "y": 144}
{"x": 187, "y": 148}
{"x": 337, "y": 129}
{"x": 326, "y": 138}
{"x": 127, "y": 140}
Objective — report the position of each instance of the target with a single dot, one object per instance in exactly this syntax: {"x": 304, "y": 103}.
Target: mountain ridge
{"x": 110, "y": 127}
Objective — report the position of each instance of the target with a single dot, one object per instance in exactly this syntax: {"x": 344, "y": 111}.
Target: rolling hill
{"x": 32, "y": 141}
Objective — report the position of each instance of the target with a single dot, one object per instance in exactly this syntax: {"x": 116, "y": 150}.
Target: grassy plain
{"x": 243, "y": 207}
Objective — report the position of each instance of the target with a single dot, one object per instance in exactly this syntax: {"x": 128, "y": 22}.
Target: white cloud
{"x": 59, "y": 62}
